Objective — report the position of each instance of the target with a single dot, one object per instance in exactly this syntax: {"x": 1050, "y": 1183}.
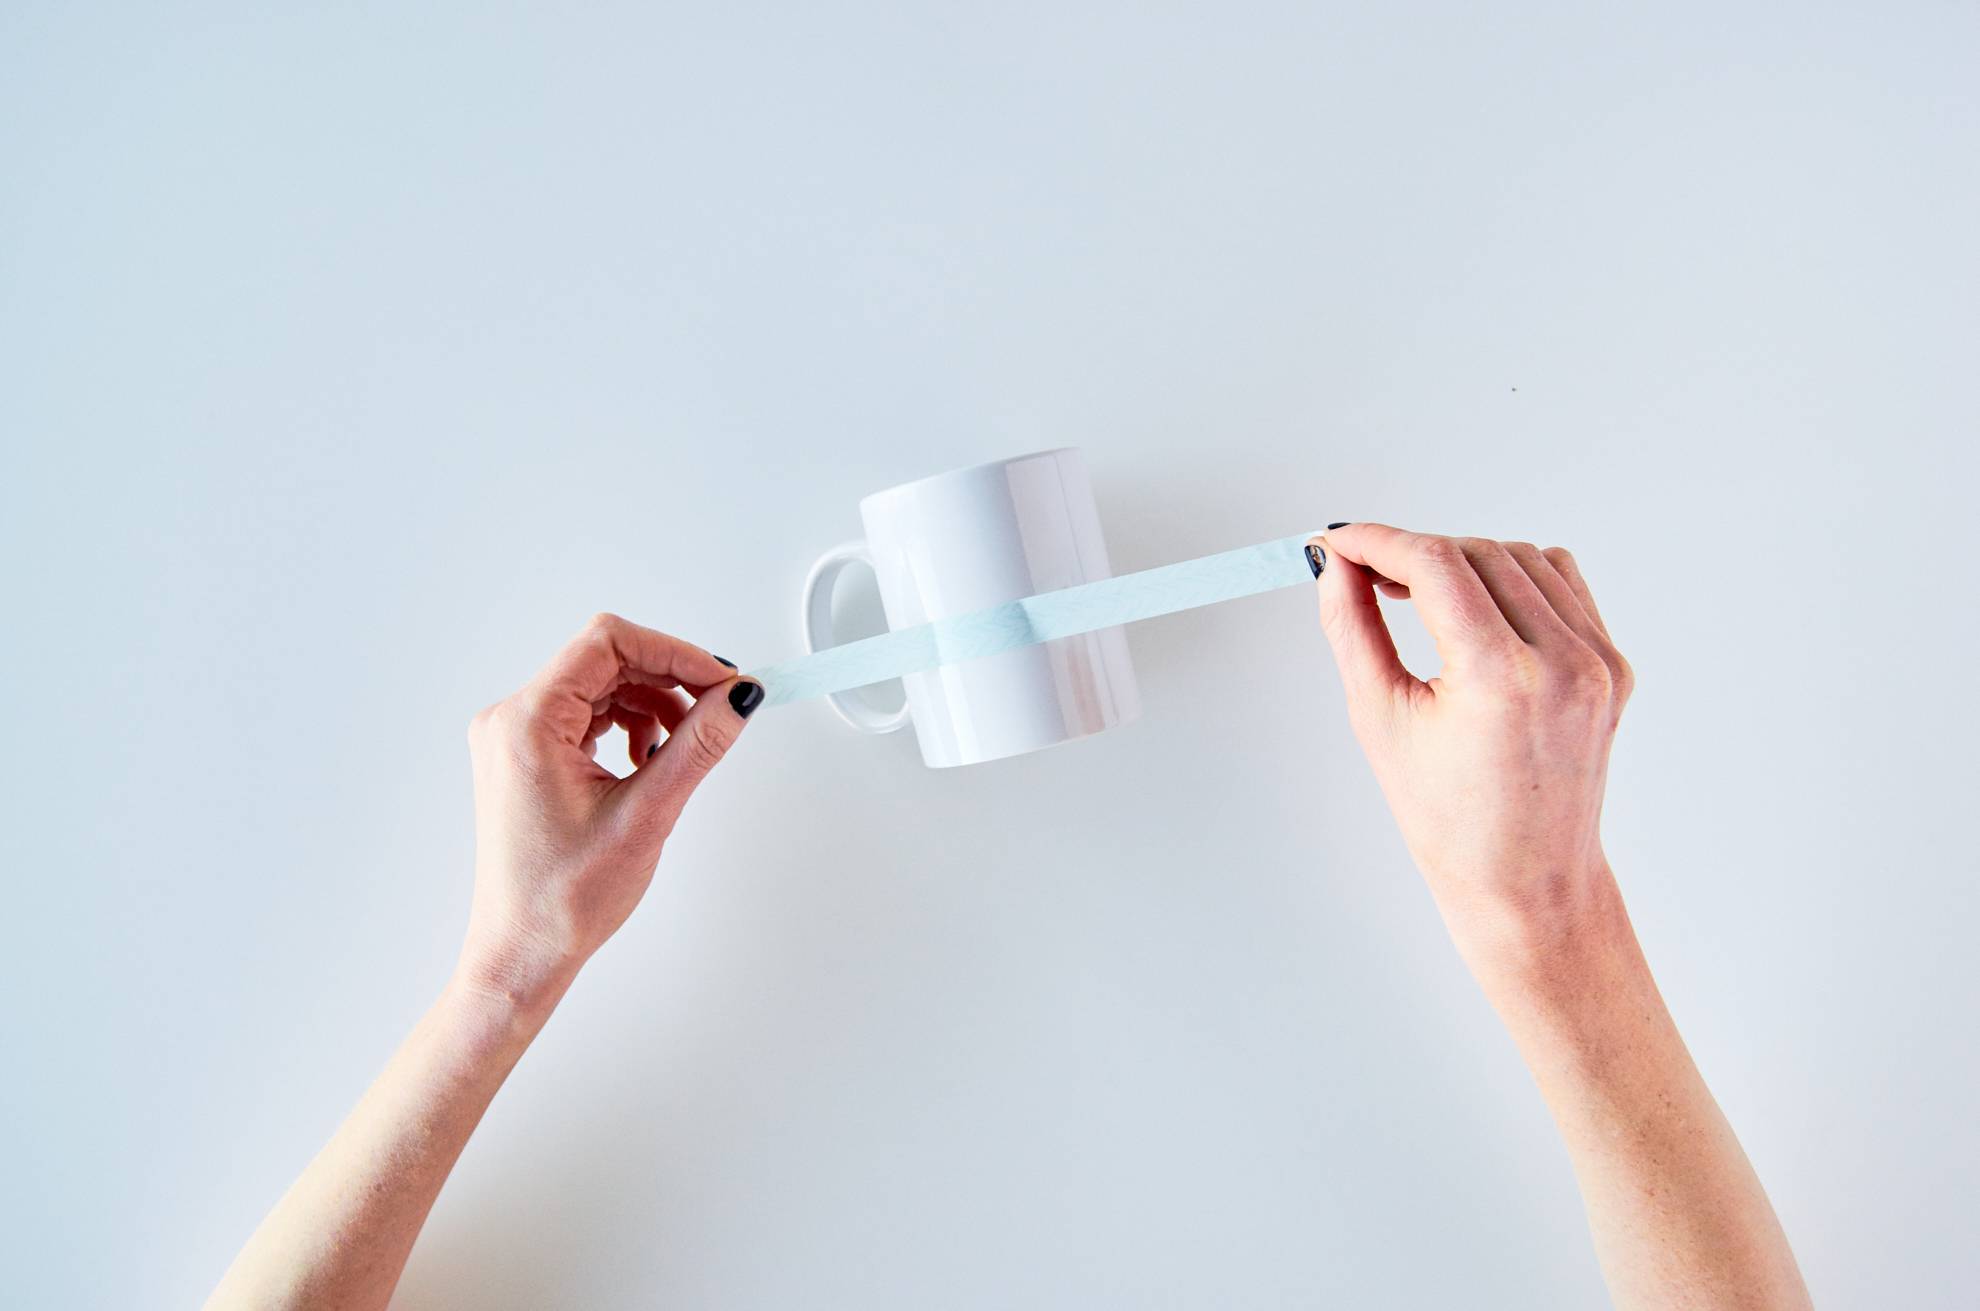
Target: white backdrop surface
{"x": 349, "y": 359}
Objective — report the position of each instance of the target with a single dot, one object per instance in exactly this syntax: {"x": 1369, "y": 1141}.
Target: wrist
{"x": 1541, "y": 934}
{"x": 491, "y": 1025}
{"x": 520, "y": 980}
{"x": 1578, "y": 1000}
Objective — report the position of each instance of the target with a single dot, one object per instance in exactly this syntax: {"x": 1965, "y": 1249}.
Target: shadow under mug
{"x": 963, "y": 541}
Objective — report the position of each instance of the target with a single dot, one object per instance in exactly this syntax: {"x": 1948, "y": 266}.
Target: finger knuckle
{"x": 1585, "y": 678}
{"x": 1333, "y": 617}
{"x": 1513, "y": 673}
{"x": 702, "y": 745}
{"x": 1625, "y": 677}
{"x": 486, "y": 721}
{"x": 1474, "y": 547}
{"x": 1522, "y": 550}
{"x": 1559, "y": 556}
{"x": 532, "y": 705}
{"x": 1438, "y": 552}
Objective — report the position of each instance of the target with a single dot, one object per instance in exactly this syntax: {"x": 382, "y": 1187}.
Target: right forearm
{"x": 1496, "y": 770}
{"x": 1678, "y": 1215}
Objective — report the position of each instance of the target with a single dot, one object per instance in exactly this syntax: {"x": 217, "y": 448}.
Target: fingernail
{"x": 1316, "y": 556}
{"x": 745, "y": 697}
{"x": 730, "y": 663}
{"x": 650, "y": 750}
{"x": 1330, "y": 528}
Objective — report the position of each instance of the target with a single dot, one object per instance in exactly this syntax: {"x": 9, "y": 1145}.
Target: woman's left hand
{"x": 564, "y": 849}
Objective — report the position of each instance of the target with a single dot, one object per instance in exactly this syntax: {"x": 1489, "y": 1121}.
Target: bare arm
{"x": 563, "y": 852}
{"x": 341, "y": 1234}
{"x": 1495, "y": 771}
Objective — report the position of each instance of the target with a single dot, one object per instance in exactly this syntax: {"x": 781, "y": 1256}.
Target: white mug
{"x": 963, "y": 541}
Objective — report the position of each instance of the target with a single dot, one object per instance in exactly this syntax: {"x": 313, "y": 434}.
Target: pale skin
{"x": 1495, "y": 770}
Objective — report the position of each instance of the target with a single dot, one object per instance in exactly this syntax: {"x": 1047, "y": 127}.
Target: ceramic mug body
{"x": 960, "y": 542}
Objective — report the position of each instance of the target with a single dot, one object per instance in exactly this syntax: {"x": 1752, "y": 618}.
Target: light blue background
{"x": 350, "y": 356}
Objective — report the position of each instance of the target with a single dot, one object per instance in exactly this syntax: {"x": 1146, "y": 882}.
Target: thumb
{"x": 662, "y": 785}
{"x": 1351, "y": 617}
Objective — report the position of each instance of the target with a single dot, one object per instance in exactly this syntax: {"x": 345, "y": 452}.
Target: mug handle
{"x": 816, "y": 619}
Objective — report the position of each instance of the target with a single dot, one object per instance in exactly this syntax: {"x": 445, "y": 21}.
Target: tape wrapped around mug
{"x": 1068, "y": 612}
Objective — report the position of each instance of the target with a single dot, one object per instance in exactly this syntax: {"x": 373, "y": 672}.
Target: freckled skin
{"x": 1495, "y": 771}
{"x": 564, "y": 849}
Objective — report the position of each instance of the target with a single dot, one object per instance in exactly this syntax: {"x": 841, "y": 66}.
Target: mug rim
{"x": 965, "y": 470}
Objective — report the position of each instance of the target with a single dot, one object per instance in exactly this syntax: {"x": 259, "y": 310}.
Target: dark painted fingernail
{"x": 1330, "y": 528}
{"x": 1316, "y": 557}
{"x": 650, "y": 750}
{"x": 730, "y": 663}
{"x": 745, "y": 697}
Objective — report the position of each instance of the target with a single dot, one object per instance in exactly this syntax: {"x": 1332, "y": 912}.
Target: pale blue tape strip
{"x": 1069, "y": 612}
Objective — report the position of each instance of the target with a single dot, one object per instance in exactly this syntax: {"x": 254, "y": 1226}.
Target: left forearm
{"x": 341, "y": 1234}
{"x": 564, "y": 851}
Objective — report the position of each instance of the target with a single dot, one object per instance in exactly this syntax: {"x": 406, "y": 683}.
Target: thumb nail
{"x": 745, "y": 697}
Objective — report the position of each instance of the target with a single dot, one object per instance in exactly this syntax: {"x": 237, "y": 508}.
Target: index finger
{"x": 1443, "y": 586}
{"x": 609, "y": 652}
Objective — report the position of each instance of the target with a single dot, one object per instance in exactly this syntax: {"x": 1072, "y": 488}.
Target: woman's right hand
{"x": 1495, "y": 768}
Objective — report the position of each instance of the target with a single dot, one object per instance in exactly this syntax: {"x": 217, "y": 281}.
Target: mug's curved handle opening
{"x": 816, "y": 620}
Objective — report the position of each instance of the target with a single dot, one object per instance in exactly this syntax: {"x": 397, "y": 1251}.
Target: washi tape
{"x": 1086, "y": 608}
